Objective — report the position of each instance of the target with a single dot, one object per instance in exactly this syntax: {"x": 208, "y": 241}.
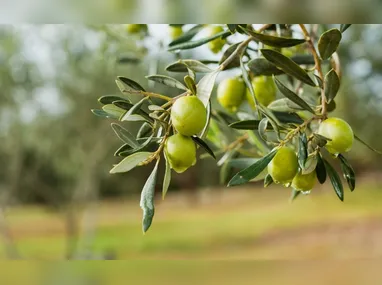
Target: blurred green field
{"x": 235, "y": 223}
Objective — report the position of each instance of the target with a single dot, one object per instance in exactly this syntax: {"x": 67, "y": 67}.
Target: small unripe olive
{"x": 175, "y": 32}
{"x": 230, "y": 93}
{"x": 265, "y": 91}
{"x": 304, "y": 182}
{"x": 188, "y": 115}
{"x": 217, "y": 44}
{"x": 135, "y": 28}
{"x": 283, "y": 166}
{"x": 340, "y": 133}
{"x": 180, "y": 152}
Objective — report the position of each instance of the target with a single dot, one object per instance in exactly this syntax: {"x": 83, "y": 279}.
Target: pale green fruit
{"x": 217, "y": 44}
{"x": 230, "y": 93}
{"x": 265, "y": 91}
{"x": 304, "y": 182}
{"x": 175, "y": 32}
{"x": 188, "y": 115}
{"x": 180, "y": 152}
{"x": 340, "y": 133}
{"x": 283, "y": 166}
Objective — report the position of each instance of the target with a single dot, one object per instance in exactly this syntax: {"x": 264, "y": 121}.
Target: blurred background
{"x": 59, "y": 201}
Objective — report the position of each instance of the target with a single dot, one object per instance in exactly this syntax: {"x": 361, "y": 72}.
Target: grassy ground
{"x": 237, "y": 223}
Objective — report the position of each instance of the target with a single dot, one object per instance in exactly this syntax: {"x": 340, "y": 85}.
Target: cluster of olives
{"x": 188, "y": 117}
{"x": 284, "y": 166}
{"x": 232, "y": 92}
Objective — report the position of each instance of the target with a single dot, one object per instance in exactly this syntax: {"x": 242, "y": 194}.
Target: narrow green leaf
{"x": 123, "y": 148}
{"x": 328, "y": 43}
{"x": 130, "y": 83}
{"x": 144, "y": 147}
{"x": 288, "y": 118}
{"x": 284, "y": 105}
{"x": 188, "y": 35}
{"x": 348, "y": 172}
{"x": 229, "y": 51}
{"x": 292, "y": 96}
{"x": 103, "y": 114}
{"x": 268, "y": 180}
{"x": 303, "y": 59}
{"x": 113, "y": 110}
{"x": 109, "y": 99}
{"x": 130, "y": 162}
{"x": 247, "y": 125}
{"x": 295, "y": 193}
{"x": 335, "y": 179}
{"x": 190, "y": 84}
{"x": 205, "y": 87}
{"x": 144, "y": 130}
{"x": 263, "y": 125}
{"x": 332, "y": 85}
{"x": 204, "y": 132}
{"x": 147, "y": 199}
{"x": 287, "y": 65}
{"x": 184, "y": 64}
{"x": 252, "y": 171}
{"x": 194, "y": 44}
{"x": 261, "y": 66}
{"x": 204, "y": 145}
{"x": 366, "y": 144}
{"x": 274, "y": 41}
{"x": 310, "y": 164}
{"x": 243, "y": 162}
{"x": 134, "y": 110}
{"x": 302, "y": 150}
{"x": 128, "y": 59}
{"x": 124, "y": 135}
{"x": 248, "y": 83}
{"x": 344, "y": 27}
{"x": 128, "y": 106}
{"x": 320, "y": 169}
{"x": 167, "y": 177}
{"x": 168, "y": 81}
{"x": 232, "y": 28}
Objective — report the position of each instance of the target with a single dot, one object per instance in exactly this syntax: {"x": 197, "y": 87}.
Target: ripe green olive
{"x": 217, "y": 44}
{"x": 304, "y": 182}
{"x": 175, "y": 32}
{"x": 265, "y": 91}
{"x": 283, "y": 166}
{"x": 188, "y": 115}
{"x": 135, "y": 28}
{"x": 340, "y": 133}
{"x": 180, "y": 152}
{"x": 230, "y": 93}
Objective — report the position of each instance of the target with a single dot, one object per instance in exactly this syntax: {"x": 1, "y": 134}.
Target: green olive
{"x": 135, "y": 28}
{"x": 215, "y": 45}
{"x": 180, "y": 152}
{"x": 304, "y": 182}
{"x": 230, "y": 93}
{"x": 188, "y": 115}
{"x": 265, "y": 91}
{"x": 175, "y": 32}
{"x": 283, "y": 166}
{"x": 340, "y": 133}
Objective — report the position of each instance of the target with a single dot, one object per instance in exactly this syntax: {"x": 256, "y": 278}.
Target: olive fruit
{"x": 230, "y": 93}
{"x": 135, "y": 28}
{"x": 304, "y": 182}
{"x": 188, "y": 115}
{"x": 180, "y": 152}
{"x": 217, "y": 44}
{"x": 265, "y": 91}
{"x": 283, "y": 167}
{"x": 175, "y": 32}
{"x": 340, "y": 134}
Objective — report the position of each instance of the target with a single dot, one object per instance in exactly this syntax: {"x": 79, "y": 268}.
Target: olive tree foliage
{"x": 300, "y": 61}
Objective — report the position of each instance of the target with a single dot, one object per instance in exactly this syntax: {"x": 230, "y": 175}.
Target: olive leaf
{"x": 287, "y": 65}
{"x": 109, "y": 99}
{"x": 268, "y": 180}
{"x": 127, "y": 82}
{"x": 263, "y": 125}
{"x": 303, "y": 59}
{"x": 248, "y": 83}
{"x": 194, "y": 44}
{"x": 130, "y": 162}
{"x": 288, "y": 118}
{"x": 103, "y": 114}
{"x": 284, "y": 105}
{"x": 166, "y": 80}
{"x": 243, "y": 162}
{"x": 247, "y": 125}
{"x": 128, "y": 59}
{"x": 344, "y": 27}
{"x": 232, "y": 27}
{"x": 190, "y": 84}
{"x": 261, "y": 66}
{"x": 366, "y": 144}
{"x": 310, "y": 164}
{"x": 134, "y": 110}
{"x": 184, "y": 64}
{"x": 204, "y": 145}
{"x": 273, "y": 41}
{"x": 188, "y": 35}
{"x": 292, "y": 96}
{"x": 229, "y": 51}
{"x": 128, "y": 106}
{"x": 328, "y": 43}
{"x": 294, "y": 194}
{"x": 335, "y": 180}
{"x": 332, "y": 85}
{"x": 123, "y": 148}
{"x": 348, "y": 172}
{"x": 252, "y": 171}
{"x": 302, "y": 150}
{"x": 147, "y": 199}
{"x": 320, "y": 169}
{"x": 114, "y": 111}
{"x": 144, "y": 130}
{"x": 124, "y": 135}
{"x": 145, "y": 146}
{"x": 205, "y": 87}
{"x": 204, "y": 132}
{"x": 167, "y": 176}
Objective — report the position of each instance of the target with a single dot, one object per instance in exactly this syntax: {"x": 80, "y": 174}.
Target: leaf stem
{"x": 317, "y": 66}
